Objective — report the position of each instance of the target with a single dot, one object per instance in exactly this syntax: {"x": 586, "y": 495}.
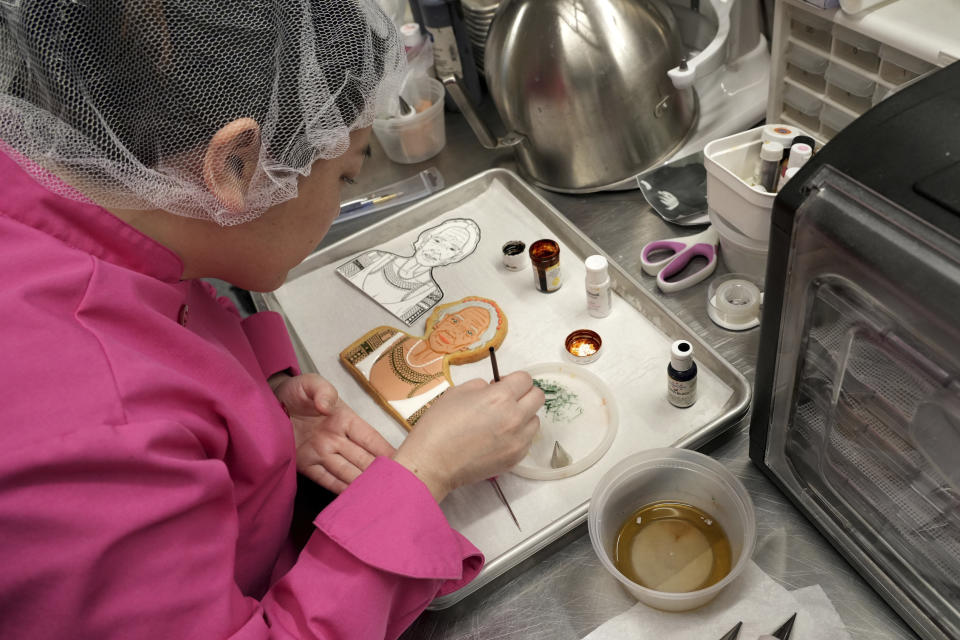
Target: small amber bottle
{"x": 545, "y": 258}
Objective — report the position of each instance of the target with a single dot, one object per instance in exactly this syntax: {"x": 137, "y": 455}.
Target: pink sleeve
{"x": 383, "y": 545}
{"x": 129, "y": 532}
{"x": 267, "y": 333}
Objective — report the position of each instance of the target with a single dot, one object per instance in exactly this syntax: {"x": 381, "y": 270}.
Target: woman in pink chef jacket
{"x": 147, "y": 460}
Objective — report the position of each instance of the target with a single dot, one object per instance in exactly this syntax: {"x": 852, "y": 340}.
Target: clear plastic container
{"x": 898, "y": 67}
{"x": 815, "y": 81}
{"x": 856, "y": 48}
{"x": 801, "y": 106}
{"x": 806, "y": 59}
{"x": 850, "y": 88}
{"x": 417, "y": 137}
{"x": 811, "y": 29}
{"x": 806, "y": 67}
{"x": 834, "y": 120}
{"x": 676, "y": 475}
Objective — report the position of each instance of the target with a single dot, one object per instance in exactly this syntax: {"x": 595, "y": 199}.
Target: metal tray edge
{"x": 732, "y": 415}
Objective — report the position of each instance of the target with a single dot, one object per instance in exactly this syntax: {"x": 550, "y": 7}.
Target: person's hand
{"x": 334, "y": 445}
{"x": 473, "y": 432}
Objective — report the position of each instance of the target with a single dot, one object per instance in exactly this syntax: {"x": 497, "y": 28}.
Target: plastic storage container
{"x": 677, "y": 475}
{"x": 849, "y": 88}
{"x": 811, "y": 29}
{"x": 856, "y": 48}
{"x": 418, "y": 137}
{"x": 898, "y": 67}
{"x": 801, "y": 106}
{"x": 730, "y": 164}
{"x": 833, "y": 120}
{"x": 739, "y": 253}
{"x": 806, "y": 67}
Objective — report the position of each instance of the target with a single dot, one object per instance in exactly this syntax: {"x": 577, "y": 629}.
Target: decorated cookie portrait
{"x": 405, "y": 373}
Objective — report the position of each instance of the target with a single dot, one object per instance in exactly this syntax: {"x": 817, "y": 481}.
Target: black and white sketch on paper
{"x": 404, "y": 285}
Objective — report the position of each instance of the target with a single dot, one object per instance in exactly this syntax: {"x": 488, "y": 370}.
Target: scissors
{"x": 680, "y": 251}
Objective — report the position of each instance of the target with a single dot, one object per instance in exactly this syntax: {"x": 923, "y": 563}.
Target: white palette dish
{"x": 584, "y": 425}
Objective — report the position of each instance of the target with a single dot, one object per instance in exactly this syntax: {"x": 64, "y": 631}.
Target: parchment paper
{"x": 754, "y": 599}
{"x": 328, "y": 313}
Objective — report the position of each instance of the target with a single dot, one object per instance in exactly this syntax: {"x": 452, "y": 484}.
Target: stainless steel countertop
{"x": 566, "y": 593}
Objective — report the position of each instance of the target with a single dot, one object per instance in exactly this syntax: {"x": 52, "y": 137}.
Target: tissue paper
{"x": 754, "y": 599}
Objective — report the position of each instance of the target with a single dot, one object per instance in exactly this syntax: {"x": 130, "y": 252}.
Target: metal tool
{"x": 678, "y": 254}
{"x": 733, "y": 633}
{"x": 560, "y": 457}
{"x": 783, "y": 633}
{"x": 405, "y": 108}
{"x": 493, "y": 481}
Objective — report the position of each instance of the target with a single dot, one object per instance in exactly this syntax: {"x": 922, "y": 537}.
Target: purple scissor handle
{"x": 679, "y": 252}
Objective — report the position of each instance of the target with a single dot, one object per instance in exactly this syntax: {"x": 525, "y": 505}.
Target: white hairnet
{"x": 119, "y": 98}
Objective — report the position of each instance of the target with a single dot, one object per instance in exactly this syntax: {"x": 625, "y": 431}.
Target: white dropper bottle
{"x": 599, "y": 296}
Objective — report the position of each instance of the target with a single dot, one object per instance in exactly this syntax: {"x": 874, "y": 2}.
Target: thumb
{"x": 311, "y": 394}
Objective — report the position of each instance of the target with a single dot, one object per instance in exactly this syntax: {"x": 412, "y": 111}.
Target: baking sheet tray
{"x": 325, "y": 313}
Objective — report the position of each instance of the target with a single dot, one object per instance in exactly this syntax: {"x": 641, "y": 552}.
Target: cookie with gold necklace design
{"x": 405, "y": 373}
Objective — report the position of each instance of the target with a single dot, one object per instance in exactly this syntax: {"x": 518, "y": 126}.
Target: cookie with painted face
{"x": 406, "y": 373}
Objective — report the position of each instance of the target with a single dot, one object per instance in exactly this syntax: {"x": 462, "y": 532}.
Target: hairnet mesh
{"x": 119, "y": 98}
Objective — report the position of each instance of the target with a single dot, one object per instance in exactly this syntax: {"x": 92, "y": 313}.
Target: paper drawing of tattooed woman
{"x": 405, "y": 373}
{"x": 404, "y": 285}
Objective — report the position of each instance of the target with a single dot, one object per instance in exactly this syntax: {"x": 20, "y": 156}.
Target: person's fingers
{"x": 472, "y": 384}
{"x": 356, "y": 455}
{"x": 341, "y": 468}
{"x": 318, "y": 394}
{"x": 324, "y": 478}
{"x": 369, "y": 438}
{"x": 531, "y": 401}
{"x": 518, "y": 383}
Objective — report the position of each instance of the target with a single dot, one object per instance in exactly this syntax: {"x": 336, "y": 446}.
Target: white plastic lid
{"x": 771, "y": 151}
{"x": 681, "y": 355}
{"x": 410, "y": 32}
{"x": 782, "y": 133}
{"x": 596, "y": 269}
{"x": 799, "y": 154}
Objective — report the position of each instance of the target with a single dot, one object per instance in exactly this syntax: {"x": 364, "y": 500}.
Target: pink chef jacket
{"x": 147, "y": 472}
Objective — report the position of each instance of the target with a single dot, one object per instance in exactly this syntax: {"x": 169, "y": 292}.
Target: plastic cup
{"x": 676, "y": 475}
{"x": 417, "y": 137}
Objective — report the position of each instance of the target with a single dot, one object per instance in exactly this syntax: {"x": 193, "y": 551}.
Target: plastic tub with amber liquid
{"x": 674, "y": 546}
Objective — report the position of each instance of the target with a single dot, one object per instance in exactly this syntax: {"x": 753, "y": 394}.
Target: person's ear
{"x": 230, "y": 161}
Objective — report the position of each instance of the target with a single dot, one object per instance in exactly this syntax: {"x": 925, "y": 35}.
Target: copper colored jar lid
{"x": 583, "y": 346}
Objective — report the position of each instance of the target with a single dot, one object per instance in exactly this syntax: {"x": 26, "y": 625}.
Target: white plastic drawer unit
{"x": 850, "y": 63}
{"x": 867, "y": 386}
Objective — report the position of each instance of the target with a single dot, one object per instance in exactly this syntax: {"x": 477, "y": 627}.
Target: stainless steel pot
{"x": 582, "y": 88}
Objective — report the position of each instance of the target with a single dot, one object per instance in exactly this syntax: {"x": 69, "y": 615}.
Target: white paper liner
{"x": 328, "y": 314}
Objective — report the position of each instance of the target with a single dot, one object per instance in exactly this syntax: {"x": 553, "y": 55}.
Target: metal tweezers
{"x": 783, "y": 633}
